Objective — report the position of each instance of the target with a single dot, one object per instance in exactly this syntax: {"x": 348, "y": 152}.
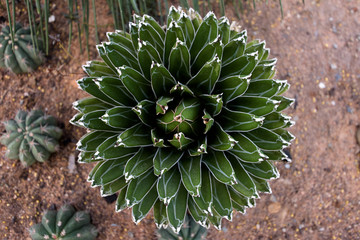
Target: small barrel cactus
{"x": 31, "y": 137}
{"x": 18, "y": 53}
{"x": 65, "y": 224}
{"x": 190, "y": 230}
{"x": 183, "y": 118}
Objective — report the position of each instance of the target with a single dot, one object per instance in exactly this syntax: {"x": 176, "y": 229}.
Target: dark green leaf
{"x": 276, "y": 120}
{"x": 162, "y": 105}
{"x": 277, "y": 155}
{"x": 200, "y": 148}
{"x": 89, "y": 86}
{"x": 92, "y": 120}
{"x": 139, "y": 187}
{"x": 148, "y": 33}
{"x": 234, "y": 49}
{"x": 98, "y": 69}
{"x": 205, "y": 80}
{"x": 115, "y": 90}
{"x": 220, "y": 140}
{"x": 135, "y": 83}
{"x": 244, "y": 184}
{"x": 188, "y": 29}
{"x": 198, "y": 215}
{"x": 213, "y": 103}
{"x": 179, "y": 62}
{"x": 258, "y": 106}
{"x": 219, "y": 166}
{"x": 173, "y": 34}
{"x": 121, "y": 201}
{"x": 109, "y": 171}
{"x": 164, "y": 159}
{"x": 147, "y": 54}
{"x": 266, "y": 139}
{"x": 284, "y": 102}
{"x": 160, "y": 217}
{"x": 263, "y": 170}
{"x": 221, "y": 199}
{"x": 208, "y": 121}
{"x": 89, "y": 104}
{"x": 204, "y": 201}
{"x": 263, "y": 88}
{"x": 190, "y": 169}
{"x": 139, "y": 163}
{"x": 109, "y": 151}
{"x": 157, "y": 139}
{"x": 206, "y": 33}
{"x": 176, "y": 209}
{"x": 145, "y": 111}
{"x": 261, "y": 185}
{"x": 234, "y": 121}
{"x": 119, "y": 117}
{"x": 246, "y": 150}
{"x": 161, "y": 80}
{"x": 243, "y": 65}
{"x": 140, "y": 210}
{"x": 180, "y": 140}
{"x": 206, "y": 54}
{"x": 168, "y": 184}
{"x": 92, "y": 140}
{"x": 136, "y": 136}
{"x": 113, "y": 187}
{"x": 119, "y": 56}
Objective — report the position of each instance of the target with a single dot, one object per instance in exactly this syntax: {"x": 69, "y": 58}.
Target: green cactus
{"x": 183, "y": 118}
{"x": 190, "y": 230}
{"x": 65, "y": 224}
{"x": 31, "y": 137}
{"x": 18, "y": 53}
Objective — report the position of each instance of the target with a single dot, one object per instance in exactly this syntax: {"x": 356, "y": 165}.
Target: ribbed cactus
{"x": 31, "y": 137}
{"x": 65, "y": 224}
{"x": 18, "y": 53}
{"x": 183, "y": 118}
{"x": 190, "y": 230}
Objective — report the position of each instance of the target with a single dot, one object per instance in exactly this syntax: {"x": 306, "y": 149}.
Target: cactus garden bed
{"x": 318, "y": 52}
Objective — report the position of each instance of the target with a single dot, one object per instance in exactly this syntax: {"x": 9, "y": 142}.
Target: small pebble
{"x": 333, "y": 66}
{"x": 224, "y": 229}
{"x": 71, "y": 164}
{"x": 287, "y": 165}
{"x": 274, "y": 207}
{"x": 333, "y": 103}
{"x": 301, "y": 226}
{"x": 321, "y": 229}
{"x": 273, "y": 198}
{"x": 335, "y": 46}
{"x": 349, "y": 109}
{"x": 322, "y": 85}
{"x": 337, "y": 77}
{"x": 51, "y": 19}
{"x": 334, "y": 29}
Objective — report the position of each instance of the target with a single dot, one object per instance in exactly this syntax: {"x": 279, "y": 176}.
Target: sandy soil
{"x": 317, "y": 196}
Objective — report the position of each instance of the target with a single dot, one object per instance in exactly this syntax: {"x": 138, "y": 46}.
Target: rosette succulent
{"x": 17, "y": 52}
{"x": 185, "y": 117}
{"x": 65, "y": 224}
{"x": 31, "y": 137}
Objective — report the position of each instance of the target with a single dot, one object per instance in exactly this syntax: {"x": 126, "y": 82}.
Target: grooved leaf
{"x": 263, "y": 170}
{"x": 176, "y": 209}
{"x": 190, "y": 169}
{"x": 119, "y": 117}
{"x": 168, "y": 184}
{"x": 140, "y": 210}
{"x": 161, "y": 80}
{"x": 164, "y": 159}
{"x": 135, "y": 83}
{"x": 266, "y": 139}
{"x": 221, "y": 199}
{"x": 205, "y": 200}
{"x": 220, "y": 166}
{"x": 136, "y": 136}
{"x": 146, "y": 55}
{"x": 258, "y": 106}
{"x": 234, "y": 121}
{"x": 246, "y": 150}
{"x": 139, "y": 163}
{"x": 220, "y": 141}
{"x": 109, "y": 151}
{"x": 139, "y": 187}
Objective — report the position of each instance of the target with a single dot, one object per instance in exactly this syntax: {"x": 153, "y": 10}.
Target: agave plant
{"x": 185, "y": 117}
